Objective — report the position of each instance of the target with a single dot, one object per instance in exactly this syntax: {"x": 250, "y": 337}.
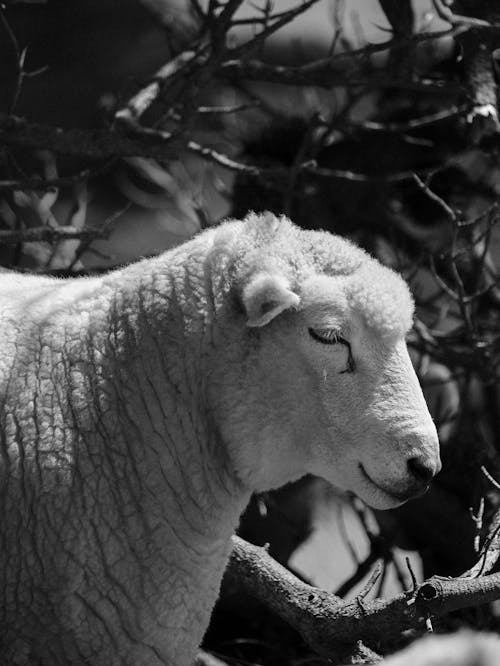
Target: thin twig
{"x": 271, "y": 28}
{"x": 494, "y": 483}
{"x": 446, "y": 14}
{"x": 450, "y": 213}
{"x": 414, "y": 583}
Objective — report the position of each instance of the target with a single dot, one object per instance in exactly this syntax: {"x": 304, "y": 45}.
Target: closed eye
{"x": 331, "y": 336}
{"x": 327, "y": 336}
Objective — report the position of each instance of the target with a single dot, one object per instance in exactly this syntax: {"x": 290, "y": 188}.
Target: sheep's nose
{"x": 423, "y": 468}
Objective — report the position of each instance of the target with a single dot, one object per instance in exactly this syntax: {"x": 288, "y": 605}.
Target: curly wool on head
{"x": 275, "y": 245}
{"x": 383, "y": 300}
{"x": 268, "y": 241}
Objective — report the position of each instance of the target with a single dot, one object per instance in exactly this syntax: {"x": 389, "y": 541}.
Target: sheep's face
{"x": 330, "y": 389}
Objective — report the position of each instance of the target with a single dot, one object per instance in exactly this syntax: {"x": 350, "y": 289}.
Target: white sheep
{"x": 139, "y": 411}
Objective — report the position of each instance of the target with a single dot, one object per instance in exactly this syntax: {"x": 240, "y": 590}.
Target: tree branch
{"x": 143, "y": 142}
{"x": 477, "y": 46}
{"x": 50, "y": 234}
{"x": 140, "y": 102}
{"x": 274, "y": 23}
{"x": 329, "y": 624}
{"x": 329, "y": 72}
{"x": 95, "y": 144}
{"x": 343, "y": 69}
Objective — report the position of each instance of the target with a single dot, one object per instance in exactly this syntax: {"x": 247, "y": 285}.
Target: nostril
{"x": 422, "y": 469}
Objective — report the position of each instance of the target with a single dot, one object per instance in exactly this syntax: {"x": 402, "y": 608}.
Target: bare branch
{"x": 273, "y": 24}
{"x": 157, "y": 144}
{"x": 51, "y": 234}
{"x": 446, "y": 13}
{"x": 449, "y": 212}
{"x": 346, "y": 69}
{"x": 454, "y": 111}
{"x": 328, "y": 624}
{"x": 105, "y": 231}
{"x": 327, "y": 73}
{"x": 37, "y": 183}
{"x": 92, "y": 144}
{"x": 304, "y": 607}
{"x": 477, "y": 47}
{"x": 140, "y": 102}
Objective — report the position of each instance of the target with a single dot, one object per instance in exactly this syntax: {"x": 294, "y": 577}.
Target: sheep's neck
{"x": 160, "y": 341}
{"x": 174, "y": 467}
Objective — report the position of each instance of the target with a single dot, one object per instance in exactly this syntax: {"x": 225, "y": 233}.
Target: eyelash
{"x": 327, "y": 336}
{"x": 330, "y": 336}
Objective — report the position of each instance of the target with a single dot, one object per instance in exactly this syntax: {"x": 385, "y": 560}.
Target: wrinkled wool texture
{"x": 123, "y": 470}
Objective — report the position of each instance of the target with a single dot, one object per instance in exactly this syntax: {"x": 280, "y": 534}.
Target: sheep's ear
{"x": 265, "y": 297}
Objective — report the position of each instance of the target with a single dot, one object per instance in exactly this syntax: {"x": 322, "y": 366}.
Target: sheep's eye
{"x": 327, "y": 336}
{"x": 331, "y": 336}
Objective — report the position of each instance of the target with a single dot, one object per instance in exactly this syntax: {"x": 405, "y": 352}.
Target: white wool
{"x": 464, "y": 648}
{"x": 140, "y": 409}
{"x": 274, "y": 244}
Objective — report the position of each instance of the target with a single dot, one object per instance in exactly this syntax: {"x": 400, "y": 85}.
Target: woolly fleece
{"x": 140, "y": 409}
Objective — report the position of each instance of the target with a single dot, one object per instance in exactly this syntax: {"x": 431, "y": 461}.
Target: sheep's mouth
{"x": 397, "y": 497}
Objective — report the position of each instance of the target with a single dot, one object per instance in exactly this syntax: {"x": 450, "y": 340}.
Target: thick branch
{"x": 308, "y": 609}
{"x": 478, "y": 45}
{"x": 92, "y": 144}
{"x": 51, "y": 234}
{"x": 106, "y": 144}
{"x": 140, "y": 102}
{"x": 329, "y": 624}
{"x": 438, "y": 596}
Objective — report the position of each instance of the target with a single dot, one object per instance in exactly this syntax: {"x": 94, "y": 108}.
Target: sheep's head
{"x": 324, "y": 383}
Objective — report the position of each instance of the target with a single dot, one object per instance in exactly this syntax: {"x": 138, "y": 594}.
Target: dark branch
{"x": 329, "y": 624}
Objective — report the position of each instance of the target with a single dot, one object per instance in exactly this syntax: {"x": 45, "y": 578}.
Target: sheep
{"x": 140, "y": 410}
